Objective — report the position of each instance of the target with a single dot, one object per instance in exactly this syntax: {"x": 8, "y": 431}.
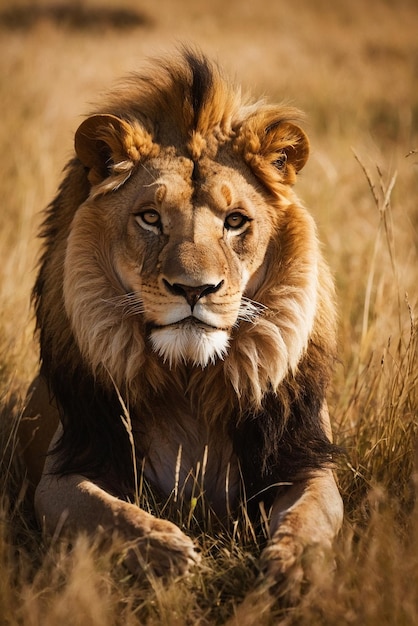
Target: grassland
{"x": 353, "y": 67}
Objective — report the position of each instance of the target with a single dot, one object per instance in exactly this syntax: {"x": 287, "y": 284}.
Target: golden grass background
{"x": 353, "y": 67}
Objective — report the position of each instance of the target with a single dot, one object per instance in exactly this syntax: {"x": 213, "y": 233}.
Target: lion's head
{"x": 191, "y": 243}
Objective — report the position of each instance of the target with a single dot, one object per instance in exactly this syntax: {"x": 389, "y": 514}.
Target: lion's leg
{"x": 304, "y": 522}
{"x": 75, "y": 503}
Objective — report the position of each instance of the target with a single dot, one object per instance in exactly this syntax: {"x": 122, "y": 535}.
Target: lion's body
{"x": 182, "y": 285}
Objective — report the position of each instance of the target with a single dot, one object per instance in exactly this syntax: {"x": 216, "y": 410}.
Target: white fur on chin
{"x": 189, "y": 344}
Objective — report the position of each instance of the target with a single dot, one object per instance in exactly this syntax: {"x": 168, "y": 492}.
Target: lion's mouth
{"x": 191, "y": 322}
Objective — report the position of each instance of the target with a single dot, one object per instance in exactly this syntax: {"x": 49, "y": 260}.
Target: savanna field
{"x": 352, "y": 67}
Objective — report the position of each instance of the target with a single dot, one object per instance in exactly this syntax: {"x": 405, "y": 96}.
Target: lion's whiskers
{"x": 250, "y": 310}
{"x": 130, "y": 303}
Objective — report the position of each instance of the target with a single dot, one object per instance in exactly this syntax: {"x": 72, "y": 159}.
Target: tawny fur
{"x": 182, "y": 277}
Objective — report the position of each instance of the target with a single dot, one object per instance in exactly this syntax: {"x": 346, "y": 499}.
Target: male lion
{"x": 182, "y": 290}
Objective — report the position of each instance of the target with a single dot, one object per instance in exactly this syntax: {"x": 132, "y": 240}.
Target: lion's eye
{"x": 150, "y": 217}
{"x": 236, "y": 220}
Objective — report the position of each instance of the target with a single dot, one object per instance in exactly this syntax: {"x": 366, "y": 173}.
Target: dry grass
{"x": 352, "y": 66}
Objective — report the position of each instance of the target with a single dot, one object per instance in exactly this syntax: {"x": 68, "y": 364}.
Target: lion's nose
{"x": 192, "y": 293}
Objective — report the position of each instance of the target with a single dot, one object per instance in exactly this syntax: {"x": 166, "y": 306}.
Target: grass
{"x": 352, "y": 68}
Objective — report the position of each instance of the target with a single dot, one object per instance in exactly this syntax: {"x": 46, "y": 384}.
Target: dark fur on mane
{"x": 283, "y": 443}
{"x": 202, "y": 83}
{"x": 286, "y": 441}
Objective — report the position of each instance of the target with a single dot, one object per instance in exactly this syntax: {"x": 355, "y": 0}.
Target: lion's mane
{"x": 267, "y": 393}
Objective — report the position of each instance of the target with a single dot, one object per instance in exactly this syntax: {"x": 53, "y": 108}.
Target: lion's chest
{"x": 186, "y": 458}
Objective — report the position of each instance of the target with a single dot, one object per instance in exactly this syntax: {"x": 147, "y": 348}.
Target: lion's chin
{"x": 191, "y": 344}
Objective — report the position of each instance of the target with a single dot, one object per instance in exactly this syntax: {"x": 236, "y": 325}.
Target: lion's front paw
{"x": 289, "y": 565}
{"x": 282, "y": 568}
{"x": 163, "y": 550}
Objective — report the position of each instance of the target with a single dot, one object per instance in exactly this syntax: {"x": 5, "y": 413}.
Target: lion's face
{"x": 187, "y": 248}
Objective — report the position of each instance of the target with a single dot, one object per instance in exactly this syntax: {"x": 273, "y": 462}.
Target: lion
{"x": 181, "y": 288}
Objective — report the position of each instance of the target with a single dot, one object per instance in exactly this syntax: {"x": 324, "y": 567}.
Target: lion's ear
{"x": 275, "y": 147}
{"x": 105, "y": 143}
{"x": 289, "y": 142}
